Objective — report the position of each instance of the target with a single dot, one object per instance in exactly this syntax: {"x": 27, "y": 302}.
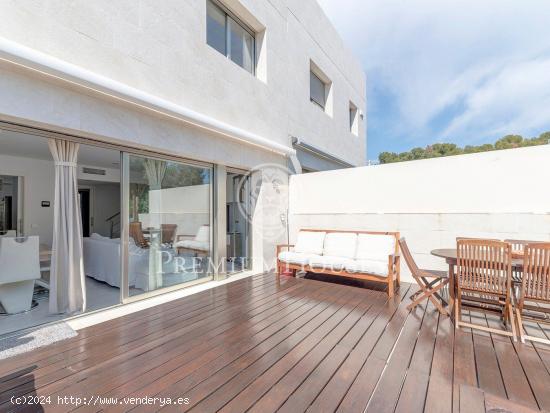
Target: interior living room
{"x": 167, "y": 241}
{"x": 27, "y": 173}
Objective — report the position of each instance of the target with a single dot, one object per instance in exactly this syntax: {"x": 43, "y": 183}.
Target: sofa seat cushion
{"x": 375, "y": 247}
{"x": 340, "y": 244}
{"x": 293, "y": 257}
{"x": 310, "y": 242}
{"x": 193, "y": 244}
{"x": 328, "y": 262}
{"x": 367, "y": 266}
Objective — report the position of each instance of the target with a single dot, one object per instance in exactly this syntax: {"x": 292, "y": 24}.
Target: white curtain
{"x": 67, "y": 283}
{"x": 155, "y": 171}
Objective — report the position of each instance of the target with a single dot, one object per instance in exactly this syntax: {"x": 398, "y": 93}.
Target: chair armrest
{"x": 281, "y": 246}
{"x": 394, "y": 264}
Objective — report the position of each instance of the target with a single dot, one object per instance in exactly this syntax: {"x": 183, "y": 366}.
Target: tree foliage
{"x": 447, "y": 149}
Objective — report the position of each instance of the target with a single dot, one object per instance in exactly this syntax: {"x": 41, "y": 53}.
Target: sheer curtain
{"x": 67, "y": 283}
{"x": 155, "y": 171}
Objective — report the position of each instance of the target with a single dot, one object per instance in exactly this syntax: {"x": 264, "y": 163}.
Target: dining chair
{"x": 534, "y": 294}
{"x": 483, "y": 282}
{"x": 518, "y": 247}
{"x": 136, "y": 233}
{"x": 168, "y": 234}
{"x": 20, "y": 267}
{"x": 430, "y": 281}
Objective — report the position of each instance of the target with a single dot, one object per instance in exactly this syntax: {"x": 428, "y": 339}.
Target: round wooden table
{"x": 449, "y": 254}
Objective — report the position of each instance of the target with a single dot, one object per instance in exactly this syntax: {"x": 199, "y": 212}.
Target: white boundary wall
{"x": 500, "y": 194}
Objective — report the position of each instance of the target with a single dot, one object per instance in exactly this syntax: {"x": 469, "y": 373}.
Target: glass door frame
{"x": 125, "y": 296}
{"x": 248, "y": 175}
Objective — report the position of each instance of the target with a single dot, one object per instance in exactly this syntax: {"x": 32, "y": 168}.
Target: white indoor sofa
{"x": 365, "y": 255}
{"x": 102, "y": 261}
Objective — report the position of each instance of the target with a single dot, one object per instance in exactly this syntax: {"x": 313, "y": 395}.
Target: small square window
{"x": 353, "y": 119}
{"x": 320, "y": 89}
{"x": 317, "y": 90}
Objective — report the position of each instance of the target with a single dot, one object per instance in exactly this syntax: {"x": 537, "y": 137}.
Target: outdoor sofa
{"x": 363, "y": 255}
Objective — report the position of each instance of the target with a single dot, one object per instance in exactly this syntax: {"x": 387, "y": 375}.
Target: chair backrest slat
{"x": 536, "y": 272}
{"x": 518, "y": 244}
{"x": 484, "y": 265}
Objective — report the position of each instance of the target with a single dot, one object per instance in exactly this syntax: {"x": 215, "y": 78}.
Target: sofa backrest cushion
{"x": 340, "y": 244}
{"x": 377, "y": 247}
{"x": 203, "y": 234}
{"x": 310, "y": 242}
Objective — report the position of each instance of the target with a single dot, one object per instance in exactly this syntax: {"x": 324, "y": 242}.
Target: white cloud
{"x": 516, "y": 98}
{"x": 491, "y": 58}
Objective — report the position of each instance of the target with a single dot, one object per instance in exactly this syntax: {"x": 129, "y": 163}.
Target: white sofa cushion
{"x": 310, "y": 242}
{"x": 328, "y": 262}
{"x": 203, "y": 234}
{"x": 340, "y": 244}
{"x": 193, "y": 244}
{"x": 367, "y": 266}
{"x": 376, "y": 247}
{"x": 292, "y": 257}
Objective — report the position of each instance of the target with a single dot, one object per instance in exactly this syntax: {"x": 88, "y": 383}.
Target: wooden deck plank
{"x": 386, "y": 395}
{"x": 440, "y": 388}
{"x": 264, "y": 383}
{"x": 489, "y": 374}
{"x": 207, "y": 347}
{"x": 94, "y": 349}
{"x": 145, "y": 317}
{"x": 315, "y": 350}
{"x": 364, "y": 384}
{"x": 517, "y": 385}
{"x": 173, "y": 333}
{"x": 272, "y": 343}
{"x": 464, "y": 371}
{"x": 203, "y": 381}
{"x": 415, "y": 388}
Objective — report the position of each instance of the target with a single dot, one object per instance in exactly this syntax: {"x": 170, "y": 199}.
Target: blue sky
{"x": 461, "y": 71}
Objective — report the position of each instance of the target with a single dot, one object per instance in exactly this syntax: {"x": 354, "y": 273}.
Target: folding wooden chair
{"x": 430, "y": 281}
{"x": 483, "y": 281}
{"x": 534, "y": 294}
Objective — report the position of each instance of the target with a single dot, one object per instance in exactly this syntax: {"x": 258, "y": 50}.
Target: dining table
{"x": 450, "y": 257}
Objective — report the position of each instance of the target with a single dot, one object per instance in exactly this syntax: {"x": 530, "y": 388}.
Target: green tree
{"x": 447, "y": 149}
{"x": 388, "y": 157}
{"x": 509, "y": 142}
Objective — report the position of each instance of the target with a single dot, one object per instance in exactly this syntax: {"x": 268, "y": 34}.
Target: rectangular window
{"x": 317, "y": 90}
{"x": 229, "y": 36}
{"x": 353, "y": 119}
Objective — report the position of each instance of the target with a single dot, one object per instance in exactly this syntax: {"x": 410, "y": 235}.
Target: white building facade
{"x": 213, "y": 88}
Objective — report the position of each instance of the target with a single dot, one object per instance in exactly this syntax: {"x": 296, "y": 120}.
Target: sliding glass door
{"x": 238, "y": 217}
{"x": 169, "y": 231}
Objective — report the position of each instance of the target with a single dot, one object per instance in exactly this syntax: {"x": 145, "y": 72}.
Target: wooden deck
{"x": 290, "y": 345}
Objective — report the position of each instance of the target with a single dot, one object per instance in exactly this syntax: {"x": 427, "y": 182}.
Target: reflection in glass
{"x": 238, "y": 222}
{"x": 242, "y": 46}
{"x": 215, "y": 27}
{"x": 169, "y": 229}
{"x": 317, "y": 90}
